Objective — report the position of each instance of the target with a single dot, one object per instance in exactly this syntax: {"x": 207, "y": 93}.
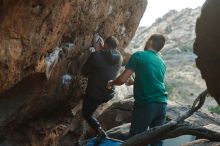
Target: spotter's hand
{"x": 110, "y": 85}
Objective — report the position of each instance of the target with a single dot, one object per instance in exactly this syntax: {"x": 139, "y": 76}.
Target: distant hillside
{"x": 178, "y": 27}
{"x": 183, "y": 79}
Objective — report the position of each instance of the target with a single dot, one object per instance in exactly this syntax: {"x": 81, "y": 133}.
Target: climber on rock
{"x": 97, "y": 43}
{"x": 149, "y": 88}
{"x": 101, "y": 66}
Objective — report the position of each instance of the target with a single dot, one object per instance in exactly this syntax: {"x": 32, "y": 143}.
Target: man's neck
{"x": 151, "y": 49}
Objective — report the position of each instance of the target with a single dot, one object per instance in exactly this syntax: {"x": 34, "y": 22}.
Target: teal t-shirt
{"x": 149, "y": 70}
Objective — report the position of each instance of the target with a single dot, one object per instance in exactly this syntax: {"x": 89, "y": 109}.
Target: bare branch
{"x": 196, "y": 106}
{"x": 199, "y": 132}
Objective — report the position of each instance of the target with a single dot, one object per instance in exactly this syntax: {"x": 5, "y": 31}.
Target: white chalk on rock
{"x": 91, "y": 49}
{"x": 66, "y": 79}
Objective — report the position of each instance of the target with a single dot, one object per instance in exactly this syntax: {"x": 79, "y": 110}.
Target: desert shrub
{"x": 135, "y": 46}
{"x": 186, "y": 48}
{"x": 215, "y": 109}
{"x": 169, "y": 87}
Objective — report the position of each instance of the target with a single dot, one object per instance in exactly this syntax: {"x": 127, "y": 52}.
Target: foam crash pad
{"x": 104, "y": 142}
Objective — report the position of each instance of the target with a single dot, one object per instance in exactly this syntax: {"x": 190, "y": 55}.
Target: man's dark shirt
{"x": 101, "y": 67}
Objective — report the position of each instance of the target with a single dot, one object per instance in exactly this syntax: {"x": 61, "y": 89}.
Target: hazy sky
{"x": 157, "y": 8}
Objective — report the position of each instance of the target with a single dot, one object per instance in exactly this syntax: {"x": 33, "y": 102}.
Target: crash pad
{"x": 104, "y": 142}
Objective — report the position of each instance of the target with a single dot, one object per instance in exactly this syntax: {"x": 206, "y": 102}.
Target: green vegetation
{"x": 194, "y": 65}
{"x": 135, "y": 46}
{"x": 186, "y": 48}
{"x": 215, "y": 109}
{"x": 169, "y": 87}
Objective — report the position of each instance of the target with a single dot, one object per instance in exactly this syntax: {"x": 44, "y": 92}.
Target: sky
{"x": 157, "y": 8}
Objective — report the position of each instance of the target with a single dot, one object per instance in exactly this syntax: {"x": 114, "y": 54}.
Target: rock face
{"x": 40, "y": 41}
{"x": 207, "y": 46}
{"x": 30, "y": 29}
{"x": 117, "y": 114}
{"x": 121, "y": 112}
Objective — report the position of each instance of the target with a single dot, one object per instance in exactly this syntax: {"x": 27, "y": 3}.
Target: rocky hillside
{"x": 178, "y": 27}
{"x": 183, "y": 79}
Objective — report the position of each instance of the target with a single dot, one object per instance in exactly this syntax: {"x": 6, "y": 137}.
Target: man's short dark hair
{"x": 158, "y": 41}
{"x": 111, "y": 42}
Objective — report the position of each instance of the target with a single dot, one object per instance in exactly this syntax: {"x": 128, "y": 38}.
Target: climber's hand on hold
{"x": 110, "y": 85}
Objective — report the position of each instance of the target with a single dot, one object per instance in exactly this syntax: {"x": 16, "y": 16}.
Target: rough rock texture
{"x": 117, "y": 114}
{"x": 201, "y": 142}
{"x": 29, "y": 29}
{"x": 40, "y": 41}
{"x": 207, "y": 46}
{"x": 120, "y": 113}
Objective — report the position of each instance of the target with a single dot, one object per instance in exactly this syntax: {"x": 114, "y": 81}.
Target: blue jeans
{"x": 148, "y": 116}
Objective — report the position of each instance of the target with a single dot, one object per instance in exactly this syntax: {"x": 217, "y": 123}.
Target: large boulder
{"x": 31, "y": 29}
{"x": 42, "y": 40}
{"x": 120, "y": 113}
{"x": 118, "y": 117}
{"x": 207, "y": 46}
